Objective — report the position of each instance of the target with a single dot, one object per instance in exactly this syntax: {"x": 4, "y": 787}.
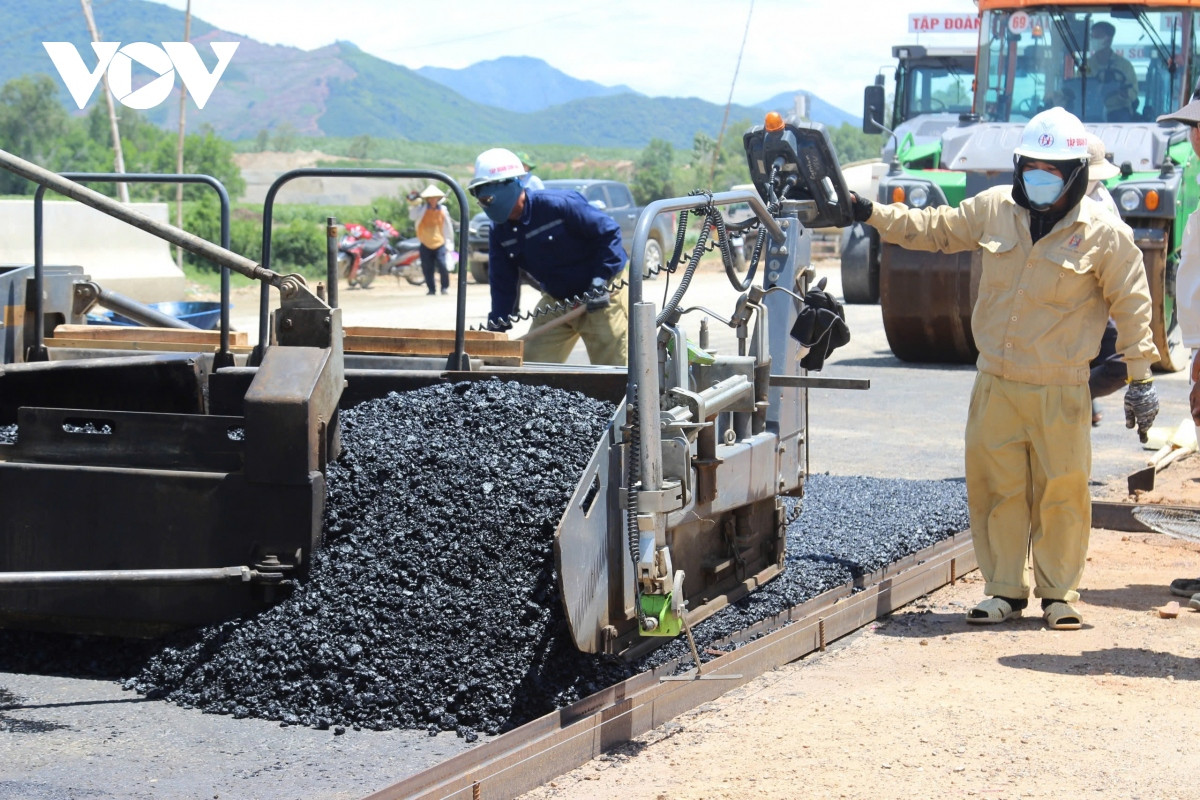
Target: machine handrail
{"x": 458, "y": 359}
{"x": 642, "y": 231}
{"x": 224, "y": 357}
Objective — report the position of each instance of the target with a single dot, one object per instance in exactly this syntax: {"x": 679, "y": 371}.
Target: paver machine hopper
{"x": 134, "y": 506}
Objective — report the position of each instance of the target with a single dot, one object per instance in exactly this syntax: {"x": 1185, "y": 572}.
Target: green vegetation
{"x": 34, "y": 125}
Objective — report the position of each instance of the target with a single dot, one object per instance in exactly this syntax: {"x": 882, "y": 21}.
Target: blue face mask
{"x": 1042, "y": 187}
{"x": 499, "y": 199}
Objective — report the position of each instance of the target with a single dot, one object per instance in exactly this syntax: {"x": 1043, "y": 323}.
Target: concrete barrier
{"x": 117, "y": 256}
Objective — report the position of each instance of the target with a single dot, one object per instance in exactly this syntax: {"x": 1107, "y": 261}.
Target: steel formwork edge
{"x": 543, "y": 749}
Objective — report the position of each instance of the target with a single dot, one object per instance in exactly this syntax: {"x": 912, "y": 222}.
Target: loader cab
{"x": 1104, "y": 64}
{"x": 933, "y": 89}
{"x": 932, "y": 81}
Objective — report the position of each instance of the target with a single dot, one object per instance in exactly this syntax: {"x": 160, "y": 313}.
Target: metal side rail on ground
{"x": 541, "y": 750}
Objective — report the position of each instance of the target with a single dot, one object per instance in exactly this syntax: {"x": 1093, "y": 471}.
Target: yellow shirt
{"x": 1041, "y": 308}
{"x": 431, "y": 226}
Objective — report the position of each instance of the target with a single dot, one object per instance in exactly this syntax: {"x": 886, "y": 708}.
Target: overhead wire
{"x": 729, "y": 102}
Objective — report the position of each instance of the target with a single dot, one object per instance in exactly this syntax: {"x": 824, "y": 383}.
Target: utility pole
{"x": 122, "y": 188}
{"x": 187, "y": 35}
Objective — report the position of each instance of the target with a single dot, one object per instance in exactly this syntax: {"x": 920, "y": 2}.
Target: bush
{"x": 203, "y": 218}
{"x": 299, "y": 246}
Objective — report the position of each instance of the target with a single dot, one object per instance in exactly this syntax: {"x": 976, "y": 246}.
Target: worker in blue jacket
{"x": 571, "y": 248}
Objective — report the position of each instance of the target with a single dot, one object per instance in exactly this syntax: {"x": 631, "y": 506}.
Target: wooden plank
{"x": 148, "y": 347}
{"x": 495, "y": 353}
{"x": 430, "y": 347}
{"x": 129, "y": 333}
{"x": 419, "y": 333}
{"x": 500, "y": 361}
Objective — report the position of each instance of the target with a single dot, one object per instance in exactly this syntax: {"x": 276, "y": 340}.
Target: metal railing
{"x": 458, "y": 359}
{"x": 37, "y": 351}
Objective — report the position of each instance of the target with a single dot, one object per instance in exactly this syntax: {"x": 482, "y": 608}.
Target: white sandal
{"x": 991, "y": 611}
{"x": 1062, "y": 616}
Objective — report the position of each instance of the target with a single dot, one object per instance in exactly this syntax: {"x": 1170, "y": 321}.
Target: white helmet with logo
{"x": 496, "y": 164}
{"x": 1053, "y": 135}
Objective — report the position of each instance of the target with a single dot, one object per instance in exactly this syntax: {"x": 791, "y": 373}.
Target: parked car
{"x": 611, "y": 197}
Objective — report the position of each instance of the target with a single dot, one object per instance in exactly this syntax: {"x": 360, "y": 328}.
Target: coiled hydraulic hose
{"x": 632, "y": 477}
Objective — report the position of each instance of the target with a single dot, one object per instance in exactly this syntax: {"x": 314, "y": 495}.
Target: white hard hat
{"x": 1053, "y": 135}
{"x": 496, "y": 164}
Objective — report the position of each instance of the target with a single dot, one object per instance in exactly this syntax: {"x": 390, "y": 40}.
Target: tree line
{"x": 35, "y": 126}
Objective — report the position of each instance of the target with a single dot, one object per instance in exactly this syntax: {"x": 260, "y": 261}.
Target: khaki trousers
{"x": 605, "y": 333}
{"x": 1028, "y": 458}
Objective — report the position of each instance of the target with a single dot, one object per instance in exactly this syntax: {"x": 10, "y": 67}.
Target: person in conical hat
{"x": 436, "y": 233}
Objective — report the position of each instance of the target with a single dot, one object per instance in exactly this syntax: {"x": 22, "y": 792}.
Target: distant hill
{"x": 340, "y": 90}
{"x": 27, "y": 25}
{"x": 518, "y": 83}
{"x": 818, "y": 109}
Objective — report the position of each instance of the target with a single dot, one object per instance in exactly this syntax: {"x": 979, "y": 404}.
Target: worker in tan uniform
{"x": 1055, "y": 268}
{"x": 1187, "y": 304}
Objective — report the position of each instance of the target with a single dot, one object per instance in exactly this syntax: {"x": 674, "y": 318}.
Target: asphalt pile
{"x": 433, "y": 602}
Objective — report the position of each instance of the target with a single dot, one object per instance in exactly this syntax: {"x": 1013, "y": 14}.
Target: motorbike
{"x": 365, "y": 254}
{"x": 360, "y": 252}
{"x": 404, "y": 255}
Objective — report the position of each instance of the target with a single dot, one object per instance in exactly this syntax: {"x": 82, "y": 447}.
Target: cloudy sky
{"x": 676, "y": 48}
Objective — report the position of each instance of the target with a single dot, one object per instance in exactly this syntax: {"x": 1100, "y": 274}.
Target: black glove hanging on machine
{"x": 820, "y": 326}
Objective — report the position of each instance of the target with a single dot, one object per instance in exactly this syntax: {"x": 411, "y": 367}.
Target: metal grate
{"x": 1183, "y": 523}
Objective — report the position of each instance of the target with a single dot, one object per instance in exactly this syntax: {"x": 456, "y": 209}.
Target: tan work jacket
{"x": 1041, "y": 309}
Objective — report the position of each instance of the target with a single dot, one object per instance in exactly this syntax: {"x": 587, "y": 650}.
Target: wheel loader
{"x": 932, "y": 87}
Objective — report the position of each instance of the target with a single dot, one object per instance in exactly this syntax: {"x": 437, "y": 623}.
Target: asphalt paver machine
{"x": 149, "y": 493}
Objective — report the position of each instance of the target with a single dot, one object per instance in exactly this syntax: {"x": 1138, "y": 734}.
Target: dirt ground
{"x": 921, "y": 705}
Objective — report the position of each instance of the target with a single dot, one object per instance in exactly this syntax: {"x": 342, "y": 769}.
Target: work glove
{"x": 1141, "y": 406}
{"x": 820, "y": 326}
{"x": 598, "y": 296}
{"x": 862, "y": 207}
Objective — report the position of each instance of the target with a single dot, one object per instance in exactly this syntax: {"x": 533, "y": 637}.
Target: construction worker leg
{"x": 1061, "y": 461}
{"x": 555, "y": 344}
{"x": 998, "y": 487}
{"x": 606, "y": 332}
{"x": 428, "y": 267}
{"x": 443, "y": 256}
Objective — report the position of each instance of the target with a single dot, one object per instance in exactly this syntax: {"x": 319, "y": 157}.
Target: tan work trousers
{"x": 605, "y": 333}
{"x": 1028, "y": 458}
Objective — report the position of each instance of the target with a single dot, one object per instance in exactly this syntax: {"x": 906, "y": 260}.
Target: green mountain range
{"x": 339, "y": 90}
